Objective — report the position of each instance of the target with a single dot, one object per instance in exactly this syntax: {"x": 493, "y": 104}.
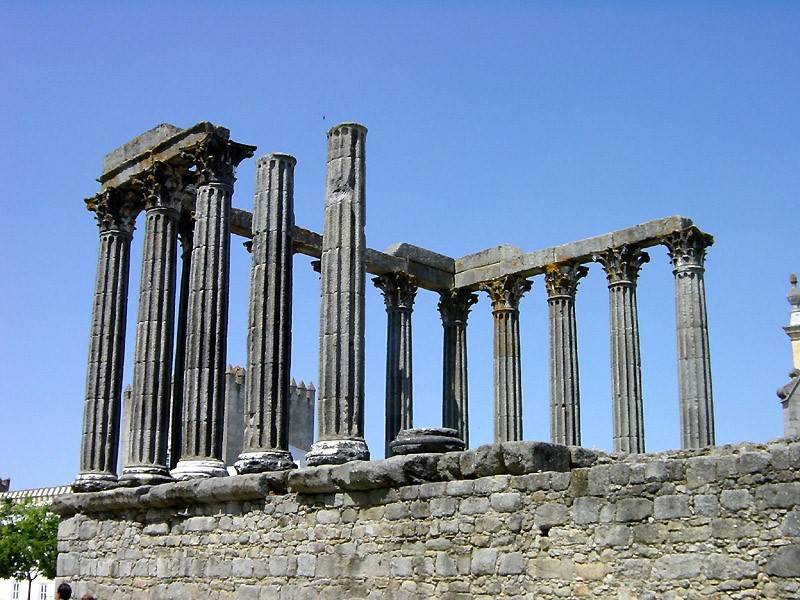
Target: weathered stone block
{"x": 506, "y": 502}
{"x": 736, "y": 499}
{"x": 722, "y": 566}
{"x": 474, "y": 506}
{"x": 677, "y": 566}
{"x": 532, "y": 457}
{"x": 785, "y": 562}
{"x": 550, "y": 514}
{"x": 512, "y": 563}
{"x": 482, "y": 461}
{"x": 613, "y": 535}
{"x": 587, "y": 510}
{"x": 484, "y": 561}
{"x": 706, "y": 505}
{"x": 634, "y": 509}
{"x": 672, "y": 507}
{"x": 791, "y": 524}
{"x": 779, "y": 495}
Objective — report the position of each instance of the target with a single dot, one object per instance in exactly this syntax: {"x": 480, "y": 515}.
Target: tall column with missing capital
{"x": 565, "y": 423}
{"x": 505, "y": 294}
{"x": 269, "y": 333}
{"x": 622, "y": 267}
{"x": 207, "y": 315}
{"x": 115, "y": 212}
{"x": 399, "y": 292}
{"x": 341, "y": 385}
{"x": 454, "y": 307}
{"x": 687, "y": 250}
{"x": 152, "y": 369}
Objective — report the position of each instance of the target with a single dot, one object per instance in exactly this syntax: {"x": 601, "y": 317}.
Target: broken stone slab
{"x": 139, "y": 145}
{"x": 580, "y": 457}
{"x": 422, "y": 256}
{"x": 521, "y": 458}
{"x": 181, "y": 493}
{"x": 362, "y": 475}
{"x": 483, "y": 461}
{"x": 311, "y": 480}
{"x": 427, "y": 440}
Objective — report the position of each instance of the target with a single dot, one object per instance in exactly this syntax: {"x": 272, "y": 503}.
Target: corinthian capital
{"x": 622, "y": 265}
{"x": 454, "y": 305}
{"x": 161, "y": 186}
{"x": 216, "y": 159}
{"x": 506, "y": 292}
{"x": 399, "y": 290}
{"x": 562, "y": 280}
{"x": 687, "y": 249}
{"x": 115, "y": 210}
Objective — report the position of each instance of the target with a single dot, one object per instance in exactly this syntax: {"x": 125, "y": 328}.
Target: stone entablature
{"x": 508, "y": 520}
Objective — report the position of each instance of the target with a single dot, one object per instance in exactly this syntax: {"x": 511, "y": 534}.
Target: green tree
{"x": 28, "y": 541}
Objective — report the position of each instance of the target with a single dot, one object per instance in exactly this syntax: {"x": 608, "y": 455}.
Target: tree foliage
{"x": 28, "y": 541}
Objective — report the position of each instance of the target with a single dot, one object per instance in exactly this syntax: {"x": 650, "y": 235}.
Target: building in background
{"x": 41, "y": 588}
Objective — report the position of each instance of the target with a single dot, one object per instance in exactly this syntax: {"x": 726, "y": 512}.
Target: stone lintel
{"x": 425, "y": 266}
{"x": 161, "y": 144}
{"x": 508, "y": 260}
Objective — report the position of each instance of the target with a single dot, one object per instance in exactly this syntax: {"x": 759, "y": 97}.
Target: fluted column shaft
{"x": 622, "y": 267}
{"x": 341, "y": 387}
{"x": 562, "y": 282}
{"x": 687, "y": 250}
{"x": 269, "y": 334}
{"x": 454, "y": 307}
{"x": 207, "y": 313}
{"x": 115, "y": 212}
{"x": 176, "y": 406}
{"x": 399, "y": 292}
{"x": 505, "y": 294}
{"x": 152, "y": 370}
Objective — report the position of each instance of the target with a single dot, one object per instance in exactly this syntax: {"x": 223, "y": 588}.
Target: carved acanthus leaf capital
{"x": 506, "y": 292}
{"x": 115, "y": 210}
{"x": 162, "y": 186}
{"x": 399, "y": 290}
{"x": 562, "y": 280}
{"x": 622, "y": 265}
{"x": 454, "y": 305}
{"x": 216, "y": 159}
{"x": 687, "y": 249}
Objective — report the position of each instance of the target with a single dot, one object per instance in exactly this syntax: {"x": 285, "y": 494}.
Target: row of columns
{"x": 194, "y": 397}
{"x": 190, "y": 404}
{"x": 621, "y": 265}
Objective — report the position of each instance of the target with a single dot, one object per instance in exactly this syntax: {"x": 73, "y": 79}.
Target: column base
{"x": 265, "y": 460}
{"x": 94, "y": 481}
{"x": 135, "y": 475}
{"x": 336, "y": 452}
{"x": 198, "y": 468}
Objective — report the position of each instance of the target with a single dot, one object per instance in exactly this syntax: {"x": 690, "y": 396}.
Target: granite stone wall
{"x": 515, "y": 520}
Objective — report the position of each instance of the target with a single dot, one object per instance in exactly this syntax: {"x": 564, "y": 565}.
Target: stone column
{"x": 152, "y": 369}
{"x": 622, "y": 267}
{"x": 687, "y": 249}
{"x": 269, "y": 334}
{"x": 565, "y": 422}
{"x": 341, "y": 387}
{"x": 207, "y": 315}
{"x": 399, "y": 291}
{"x": 185, "y": 232}
{"x": 454, "y": 307}
{"x": 115, "y": 212}
{"x": 505, "y": 294}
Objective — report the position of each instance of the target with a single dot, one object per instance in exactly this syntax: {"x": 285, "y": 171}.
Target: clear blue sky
{"x": 500, "y": 122}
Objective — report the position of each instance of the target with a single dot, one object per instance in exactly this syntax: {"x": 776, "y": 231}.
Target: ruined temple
{"x": 515, "y": 518}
